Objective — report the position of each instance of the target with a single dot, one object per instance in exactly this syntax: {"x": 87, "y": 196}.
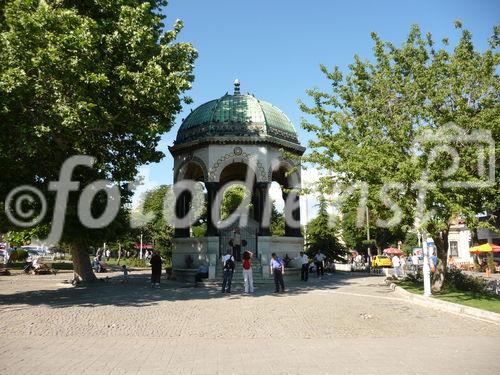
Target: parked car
{"x": 35, "y": 250}
{"x": 381, "y": 261}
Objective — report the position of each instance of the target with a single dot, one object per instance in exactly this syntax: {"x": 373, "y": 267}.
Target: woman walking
{"x": 247, "y": 271}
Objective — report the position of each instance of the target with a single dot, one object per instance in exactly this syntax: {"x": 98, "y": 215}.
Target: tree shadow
{"x": 138, "y": 292}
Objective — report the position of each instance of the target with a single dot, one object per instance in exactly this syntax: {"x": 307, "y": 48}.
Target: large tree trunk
{"x": 442, "y": 252}
{"x": 81, "y": 264}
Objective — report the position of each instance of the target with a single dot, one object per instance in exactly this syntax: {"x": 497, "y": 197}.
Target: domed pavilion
{"x": 236, "y": 139}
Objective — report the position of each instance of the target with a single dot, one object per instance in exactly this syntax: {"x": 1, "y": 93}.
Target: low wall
{"x": 203, "y": 250}
{"x": 282, "y": 246}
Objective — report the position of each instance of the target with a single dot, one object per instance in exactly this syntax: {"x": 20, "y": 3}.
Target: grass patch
{"x": 62, "y": 265}
{"x": 478, "y": 300}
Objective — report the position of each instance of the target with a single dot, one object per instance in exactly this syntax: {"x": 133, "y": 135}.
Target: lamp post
{"x": 140, "y": 248}
{"x": 368, "y": 231}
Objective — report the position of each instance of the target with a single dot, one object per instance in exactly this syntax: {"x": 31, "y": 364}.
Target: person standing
{"x": 277, "y": 271}
{"x": 125, "y": 271}
{"x": 237, "y": 244}
{"x": 319, "y": 260}
{"x": 247, "y": 271}
{"x": 228, "y": 270}
{"x": 433, "y": 259}
{"x": 156, "y": 263}
{"x": 304, "y": 269}
{"x": 414, "y": 263}
{"x": 396, "y": 264}
{"x": 404, "y": 266}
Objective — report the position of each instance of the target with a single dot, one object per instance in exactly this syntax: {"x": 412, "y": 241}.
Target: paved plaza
{"x": 338, "y": 325}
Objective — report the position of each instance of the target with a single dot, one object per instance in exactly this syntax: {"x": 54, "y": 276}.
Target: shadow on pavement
{"x": 138, "y": 292}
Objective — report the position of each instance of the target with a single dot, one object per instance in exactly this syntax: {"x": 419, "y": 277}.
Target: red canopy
{"x": 393, "y": 251}
{"x": 144, "y": 246}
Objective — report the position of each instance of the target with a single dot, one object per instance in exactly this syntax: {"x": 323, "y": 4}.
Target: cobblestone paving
{"x": 336, "y": 325}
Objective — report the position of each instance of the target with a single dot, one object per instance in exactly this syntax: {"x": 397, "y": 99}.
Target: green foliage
{"x": 23, "y": 237}
{"x": 100, "y": 78}
{"x": 410, "y": 241}
{"x": 322, "y": 237}
{"x": 199, "y": 230}
{"x": 158, "y": 230}
{"x": 456, "y": 279}
{"x": 277, "y": 222}
{"x": 490, "y": 262}
{"x": 233, "y": 197}
{"x": 18, "y": 255}
{"x": 367, "y": 124}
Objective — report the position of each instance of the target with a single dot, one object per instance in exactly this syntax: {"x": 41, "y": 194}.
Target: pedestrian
{"x": 125, "y": 271}
{"x": 433, "y": 262}
{"x": 319, "y": 260}
{"x": 247, "y": 271}
{"x": 404, "y": 266}
{"x": 277, "y": 270}
{"x": 202, "y": 273}
{"x": 396, "y": 264}
{"x": 228, "y": 271}
{"x": 108, "y": 254}
{"x": 96, "y": 264}
{"x": 236, "y": 240}
{"x": 156, "y": 263}
{"x": 304, "y": 269}
{"x": 415, "y": 262}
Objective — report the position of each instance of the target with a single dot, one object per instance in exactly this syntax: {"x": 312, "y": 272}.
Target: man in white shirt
{"x": 414, "y": 262}
{"x": 304, "y": 262}
{"x": 319, "y": 261}
{"x": 396, "y": 264}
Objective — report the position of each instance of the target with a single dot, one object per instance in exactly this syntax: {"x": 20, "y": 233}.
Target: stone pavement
{"x": 341, "y": 325}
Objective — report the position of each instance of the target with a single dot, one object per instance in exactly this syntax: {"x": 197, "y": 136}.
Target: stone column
{"x": 292, "y": 198}
{"x": 181, "y": 209}
{"x": 212, "y": 188}
{"x": 263, "y": 205}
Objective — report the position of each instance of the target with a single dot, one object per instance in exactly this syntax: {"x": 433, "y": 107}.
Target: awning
{"x": 485, "y": 248}
{"x": 144, "y": 246}
{"x": 393, "y": 251}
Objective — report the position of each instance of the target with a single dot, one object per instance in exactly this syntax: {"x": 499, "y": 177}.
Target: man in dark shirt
{"x": 228, "y": 269}
{"x": 156, "y": 263}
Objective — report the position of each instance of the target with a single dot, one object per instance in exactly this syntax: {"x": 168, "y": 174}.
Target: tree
{"x": 233, "y": 197}
{"x": 277, "y": 226}
{"x": 322, "y": 237}
{"x": 372, "y": 125}
{"x": 99, "y": 78}
{"x": 158, "y": 230}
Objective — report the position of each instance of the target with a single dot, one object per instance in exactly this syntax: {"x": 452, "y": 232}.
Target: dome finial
{"x": 236, "y": 86}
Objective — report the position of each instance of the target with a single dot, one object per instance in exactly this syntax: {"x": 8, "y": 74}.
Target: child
{"x": 125, "y": 274}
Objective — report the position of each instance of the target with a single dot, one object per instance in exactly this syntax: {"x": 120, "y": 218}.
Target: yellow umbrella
{"x": 485, "y": 248}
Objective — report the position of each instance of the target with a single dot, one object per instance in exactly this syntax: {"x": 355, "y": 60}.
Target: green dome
{"x": 236, "y": 116}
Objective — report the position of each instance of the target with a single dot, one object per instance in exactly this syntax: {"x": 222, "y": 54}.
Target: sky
{"x": 274, "y": 47}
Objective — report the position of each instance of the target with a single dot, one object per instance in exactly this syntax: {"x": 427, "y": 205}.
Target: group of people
{"x": 402, "y": 264}
{"x": 318, "y": 265}
{"x": 156, "y": 262}
{"x": 276, "y": 265}
{"x": 276, "y": 268}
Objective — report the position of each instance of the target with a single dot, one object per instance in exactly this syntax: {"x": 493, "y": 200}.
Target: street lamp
{"x": 140, "y": 248}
